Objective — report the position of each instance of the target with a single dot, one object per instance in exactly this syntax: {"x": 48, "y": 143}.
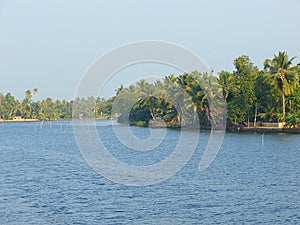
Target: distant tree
{"x": 121, "y": 89}
{"x": 2, "y": 106}
{"x": 12, "y": 106}
{"x": 35, "y": 91}
{"x": 28, "y": 94}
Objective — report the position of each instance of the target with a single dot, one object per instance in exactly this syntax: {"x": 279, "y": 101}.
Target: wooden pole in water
{"x": 262, "y": 139}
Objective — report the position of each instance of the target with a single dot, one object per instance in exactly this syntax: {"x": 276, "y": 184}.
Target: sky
{"x": 50, "y": 44}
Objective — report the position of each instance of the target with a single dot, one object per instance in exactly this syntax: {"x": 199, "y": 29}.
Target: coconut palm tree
{"x": 35, "y": 91}
{"x": 282, "y": 76}
{"x": 28, "y": 94}
{"x": 152, "y": 104}
{"x": 176, "y": 95}
{"x": 144, "y": 87}
{"x": 227, "y": 83}
{"x": 121, "y": 90}
{"x": 26, "y": 108}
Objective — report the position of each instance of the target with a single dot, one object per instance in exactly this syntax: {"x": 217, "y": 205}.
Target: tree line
{"x": 252, "y": 95}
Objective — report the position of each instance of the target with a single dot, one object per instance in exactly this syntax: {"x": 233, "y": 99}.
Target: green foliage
{"x": 151, "y": 108}
{"x": 293, "y": 120}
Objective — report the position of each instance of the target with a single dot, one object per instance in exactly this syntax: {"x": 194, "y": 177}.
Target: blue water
{"x": 45, "y": 180}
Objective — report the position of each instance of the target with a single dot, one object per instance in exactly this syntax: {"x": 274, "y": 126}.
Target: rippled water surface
{"x": 45, "y": 180}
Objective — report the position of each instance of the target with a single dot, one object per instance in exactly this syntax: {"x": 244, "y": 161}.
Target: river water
{"x": 45, "y": 180}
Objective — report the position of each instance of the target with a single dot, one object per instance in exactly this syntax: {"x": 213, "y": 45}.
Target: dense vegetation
{"x": 252, "y": 95}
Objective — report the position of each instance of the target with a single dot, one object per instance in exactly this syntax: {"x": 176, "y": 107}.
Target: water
{"x": 45, "y": 180}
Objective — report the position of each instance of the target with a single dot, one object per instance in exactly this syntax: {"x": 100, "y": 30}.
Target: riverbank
{"x": 19, "y": 120}
{"x": 234, "y": 129}
{"x": 264, "y": 130}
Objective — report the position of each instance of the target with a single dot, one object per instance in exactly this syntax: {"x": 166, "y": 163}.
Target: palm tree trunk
{"x": 255, "y": 115}
{"x": 283, "y": 107}
{"x": 195, "y": 115}
{"x": 152, "y": 114}
{"x": 248, "y": 120}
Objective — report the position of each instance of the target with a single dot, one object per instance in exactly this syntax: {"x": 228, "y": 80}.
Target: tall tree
{"x": 245, "y": 74}
{"x": 282, "y": 75}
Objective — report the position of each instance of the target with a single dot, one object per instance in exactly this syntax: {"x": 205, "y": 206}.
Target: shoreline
{"x": 264, "y": 130}
{"x": 21, "y": 120}
{"x": 37, "y": 120}
{"x": 235, "y": 129}
{"x": 204, "y": 128}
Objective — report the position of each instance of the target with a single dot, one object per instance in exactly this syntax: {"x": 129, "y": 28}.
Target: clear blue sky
{"x": 49, "y": 44}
